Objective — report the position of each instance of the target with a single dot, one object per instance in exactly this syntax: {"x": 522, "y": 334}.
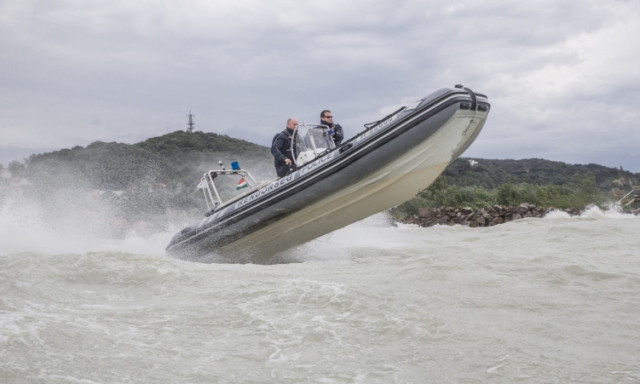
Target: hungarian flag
{"x": 242, "y": 183}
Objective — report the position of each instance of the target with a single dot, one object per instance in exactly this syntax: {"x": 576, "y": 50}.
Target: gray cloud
{"x": 560, "y": 75}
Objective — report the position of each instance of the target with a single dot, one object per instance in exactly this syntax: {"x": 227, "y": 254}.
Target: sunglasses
{"x": 328, "y": 117}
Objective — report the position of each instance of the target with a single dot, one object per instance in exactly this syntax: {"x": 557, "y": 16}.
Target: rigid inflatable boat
{"x": 330, "y": 187}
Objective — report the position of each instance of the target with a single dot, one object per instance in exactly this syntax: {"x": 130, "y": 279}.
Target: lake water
{"x": 553, "y": 300}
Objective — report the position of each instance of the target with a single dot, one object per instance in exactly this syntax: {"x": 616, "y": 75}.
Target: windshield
{"x": 310, "y": 141}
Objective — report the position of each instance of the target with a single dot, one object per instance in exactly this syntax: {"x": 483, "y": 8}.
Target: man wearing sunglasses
{"x": 335, "y": 130}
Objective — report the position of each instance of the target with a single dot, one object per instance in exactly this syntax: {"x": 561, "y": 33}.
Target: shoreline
{"x": 484, "y": 217}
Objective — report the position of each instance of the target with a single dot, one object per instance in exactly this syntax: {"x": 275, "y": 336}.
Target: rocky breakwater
{"x": 483, "y": 217}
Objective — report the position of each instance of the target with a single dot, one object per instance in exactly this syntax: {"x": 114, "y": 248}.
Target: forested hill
{"x": 491, "y": 174}
{"x": 175, "y": 159}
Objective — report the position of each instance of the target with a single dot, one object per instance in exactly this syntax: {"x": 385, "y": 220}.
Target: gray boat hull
{"x": 385, "y": 165}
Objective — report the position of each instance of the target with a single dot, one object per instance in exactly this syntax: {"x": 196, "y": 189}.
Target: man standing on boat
{"x": 335, "y": 130}
{"x": 281, "y": 148}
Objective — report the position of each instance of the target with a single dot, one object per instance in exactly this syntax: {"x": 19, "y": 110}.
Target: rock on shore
{"x": 483, "y": 217}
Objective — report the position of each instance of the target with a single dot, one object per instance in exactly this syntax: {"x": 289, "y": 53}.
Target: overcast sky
{"x": 561, "y": 75}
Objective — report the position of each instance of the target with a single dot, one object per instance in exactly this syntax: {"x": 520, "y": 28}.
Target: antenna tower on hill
{"x": 191, "y": 123}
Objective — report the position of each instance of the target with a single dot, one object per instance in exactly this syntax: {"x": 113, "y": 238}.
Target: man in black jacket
{"x": 281, "y": 148}
{"x": 326, "y": 118}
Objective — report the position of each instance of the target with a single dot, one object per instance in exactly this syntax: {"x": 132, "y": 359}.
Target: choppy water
{"x": 553, "y": 300}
